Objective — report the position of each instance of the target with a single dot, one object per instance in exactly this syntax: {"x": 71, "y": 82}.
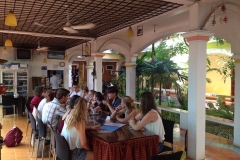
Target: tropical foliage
{"x": 162, "y": 72}
{"x": 227, "y": 67}
{"x": 157, "y": 67}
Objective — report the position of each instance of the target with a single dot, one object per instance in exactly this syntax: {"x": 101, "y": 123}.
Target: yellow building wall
{"x": 217, "y": 86}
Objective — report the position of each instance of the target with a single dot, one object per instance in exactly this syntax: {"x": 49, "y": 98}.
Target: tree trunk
{"x": 152, "y": 82}
{"x": 137, "y": 96}
{"x": 160, "y": 91}
{"x": 153, "y": 51}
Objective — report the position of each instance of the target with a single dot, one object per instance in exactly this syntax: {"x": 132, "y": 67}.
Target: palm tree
{"x": 139, "y": 73}
{"x": 162, "y": 71}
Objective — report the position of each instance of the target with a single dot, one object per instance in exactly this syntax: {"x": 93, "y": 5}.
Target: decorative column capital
{"x": 98, "y": 55}
{"x": 236, "y": 58}
{"x": 196, "y": 35}
{"x": 130, "y": 65}
{"x": 89, "y": 67}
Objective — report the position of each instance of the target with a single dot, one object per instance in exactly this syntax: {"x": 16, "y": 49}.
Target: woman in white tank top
{"x": 149, "y": 117}
{"x": 74, "y": 131}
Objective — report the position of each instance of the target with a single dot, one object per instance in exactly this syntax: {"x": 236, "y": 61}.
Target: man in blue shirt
{"x": 112, "y": 96}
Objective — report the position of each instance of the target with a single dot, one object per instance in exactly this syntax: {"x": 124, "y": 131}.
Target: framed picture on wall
{"x": 56, "y": 55}
{"x": 139, "y": 30}
{"x": 109, "y": 67}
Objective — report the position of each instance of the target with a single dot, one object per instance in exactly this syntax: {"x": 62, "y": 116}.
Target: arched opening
{"x": 116, "y": 45}
{"x": 77, "y": 68}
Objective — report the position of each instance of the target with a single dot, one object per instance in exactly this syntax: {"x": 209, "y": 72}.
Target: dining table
{"x": 122, "y": 144}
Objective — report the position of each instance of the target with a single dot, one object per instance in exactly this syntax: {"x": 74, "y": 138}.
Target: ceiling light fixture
{"x": 86, "y": 48}
{"x": 44, "y": 60}
{"x": 11, "y": 19}
{"x": 4, "y": 51}
{"x": 8, "y": 43}
{"x": 66, "y": 57}
{"x": 130, "y": 33}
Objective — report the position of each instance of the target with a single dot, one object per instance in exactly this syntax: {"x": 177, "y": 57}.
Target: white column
{"x": 196, "y": 92}
{"x": 98, "y": 69}
{"x": 236, "y": 140}
{"x": 89, "y": 77}
{"x": 131, "y": 79}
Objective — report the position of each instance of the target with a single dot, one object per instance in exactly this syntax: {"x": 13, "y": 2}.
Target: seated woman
{"x": 149, "y": 118}
{"x": 39, "y": 94}
{"x": 70, "y": 105}
{"x": 84, "y": 93}
{"x": 73, "y": 101}
{"x": 74, "y": 131}
{"x": 49, "y": 95}
{"x": 90, "y": 98}
{"x": 127, "y": 108}
{"x": 98, "y": 104}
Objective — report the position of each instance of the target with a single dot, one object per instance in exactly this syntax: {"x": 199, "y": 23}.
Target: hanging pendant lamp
{"x": 130, "y": 33}
{"x": 44, "y": 60}
{"x": 8, "y": 43}
{"x": 4, "y": 51}
{"x": 66, "y": 57}
{"x": 86, "y": 48}
{"x": 11, "y": 19}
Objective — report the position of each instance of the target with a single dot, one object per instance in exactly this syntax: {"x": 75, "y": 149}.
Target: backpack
{"x": 13, "y": 137}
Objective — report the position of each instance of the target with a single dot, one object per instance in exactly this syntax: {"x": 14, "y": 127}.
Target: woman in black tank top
{"x": 98, "y": 105}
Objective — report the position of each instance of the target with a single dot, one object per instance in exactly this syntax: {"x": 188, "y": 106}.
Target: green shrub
{"x": 171, "y": 116}
{"x": 223, "y": 111}
{"x": 219, "y": 130}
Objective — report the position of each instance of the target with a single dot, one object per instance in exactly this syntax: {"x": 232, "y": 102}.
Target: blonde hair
{"x": 78, "y": 114}
{"x": 129, "y": 103}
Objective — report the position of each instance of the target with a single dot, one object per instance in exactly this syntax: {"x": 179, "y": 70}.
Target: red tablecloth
{"x": 133, "y": 149}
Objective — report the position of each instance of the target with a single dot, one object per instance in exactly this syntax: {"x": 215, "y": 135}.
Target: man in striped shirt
{"x": 54, "y": 110}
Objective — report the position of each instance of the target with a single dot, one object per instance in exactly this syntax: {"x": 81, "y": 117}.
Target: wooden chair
{"x": 62, "y": 148}
{"x": 42, "y": 135}
{"x": 186, "y": 141}
{"x": 8, "y": 102}
{"x": 28, "y": 101}
{"x": 168, "y": 156}
{"x": 34, "y": 132}
{"x": 168, "y": 127}
{"x": 28, "y": 120}
{"x": 52, "y": 143}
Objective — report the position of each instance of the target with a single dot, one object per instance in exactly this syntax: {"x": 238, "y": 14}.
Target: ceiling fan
{"x": 41, "y": 49}
{"x": 73, "y": 29}
{"x": 68, "y": 27}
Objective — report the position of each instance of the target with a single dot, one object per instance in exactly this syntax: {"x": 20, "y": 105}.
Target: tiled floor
{"x": 217, "y": 148}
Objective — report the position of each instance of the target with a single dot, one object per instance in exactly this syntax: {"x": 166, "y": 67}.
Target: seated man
{"x": 75, "y": 90}
{"x": 39, "y": 94}
{"x": 54, "y": 110}
{"x": 112, "y": 95}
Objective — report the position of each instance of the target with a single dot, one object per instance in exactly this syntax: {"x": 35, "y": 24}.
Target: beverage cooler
{"x": 16, "y": 81}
